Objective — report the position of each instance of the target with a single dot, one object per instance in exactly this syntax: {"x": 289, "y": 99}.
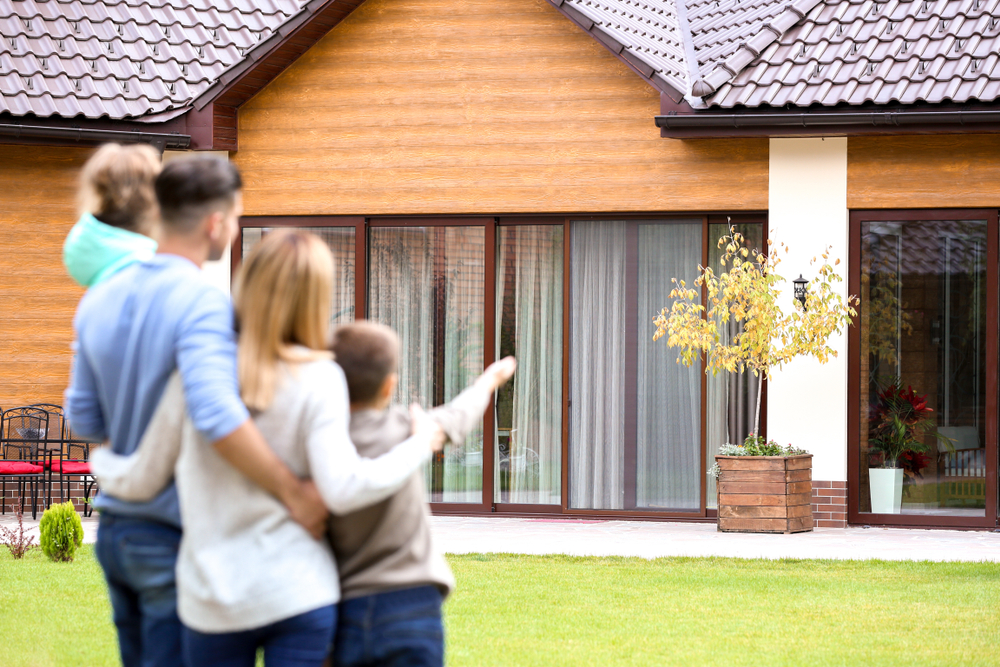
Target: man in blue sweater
{"x": 132, "y": 331}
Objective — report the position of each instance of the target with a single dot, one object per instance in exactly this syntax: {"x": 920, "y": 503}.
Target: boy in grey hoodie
{"x": 393, "y": 581}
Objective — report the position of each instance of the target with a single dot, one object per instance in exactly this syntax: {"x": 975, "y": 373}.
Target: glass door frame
{"x": 490, "y": 224}
{"x": 489, "y": 315}
{"x": 854, "y": 515}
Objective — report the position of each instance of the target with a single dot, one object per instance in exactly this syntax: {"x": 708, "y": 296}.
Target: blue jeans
{"x": 299, "y": 641}
{"x": 138, "y": 558}
{"x": 395, "y": 629}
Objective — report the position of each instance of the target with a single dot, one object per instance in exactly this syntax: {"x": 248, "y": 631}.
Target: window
{"x": 925, "y": 425}
{"x": 342, "y": 244}
{"x": 598, "y": 418}
{"x": 528, "y": 450}
{"x": 427, "y": 283}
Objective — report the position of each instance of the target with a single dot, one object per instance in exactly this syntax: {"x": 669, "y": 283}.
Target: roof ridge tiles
{"x": 752, "y": 47}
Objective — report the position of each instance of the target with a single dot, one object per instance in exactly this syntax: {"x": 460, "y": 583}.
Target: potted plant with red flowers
{"x": 899, "y": 425}
{"x": 762, "y": 487}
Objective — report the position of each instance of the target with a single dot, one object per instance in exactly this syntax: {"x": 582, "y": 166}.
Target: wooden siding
{"x": 475, "y": 106}
{"x": 943, "y": 171}
{"x": 37, "y": 297}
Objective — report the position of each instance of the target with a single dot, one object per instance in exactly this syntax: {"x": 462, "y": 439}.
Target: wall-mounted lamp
{"x": 800, "y": 290}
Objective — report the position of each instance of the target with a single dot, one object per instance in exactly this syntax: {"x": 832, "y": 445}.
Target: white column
{"x": 219, "y": 273}
{"x": 807, "y": 209}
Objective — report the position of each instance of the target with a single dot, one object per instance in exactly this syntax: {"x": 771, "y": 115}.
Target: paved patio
{"x": 655, "y": 539}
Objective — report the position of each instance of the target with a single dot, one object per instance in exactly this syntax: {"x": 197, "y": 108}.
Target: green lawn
{"x": 530, "y": 610}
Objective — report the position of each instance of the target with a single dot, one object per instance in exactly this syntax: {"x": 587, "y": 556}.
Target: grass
{"x": 532, "y": 610}
{"x": 54, "y": 613}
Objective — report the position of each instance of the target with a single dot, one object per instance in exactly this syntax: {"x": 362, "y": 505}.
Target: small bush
{"x": 17, "y": 541}
{"x": 62, "y": 532}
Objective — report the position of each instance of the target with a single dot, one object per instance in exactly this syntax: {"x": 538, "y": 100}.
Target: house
{"x": 526, "y": 176}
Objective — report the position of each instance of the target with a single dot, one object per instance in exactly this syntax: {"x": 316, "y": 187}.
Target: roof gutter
{"x": 842, "y": 122}
{"x": 94, "y": 136}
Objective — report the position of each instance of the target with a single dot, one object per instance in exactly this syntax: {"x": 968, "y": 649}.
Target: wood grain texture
{"x": 943, "y": 171}
{"x": 487, "y": 106}
{"x": 37, "y": 297}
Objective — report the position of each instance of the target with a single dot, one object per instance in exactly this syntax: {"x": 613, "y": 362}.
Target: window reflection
{"x": 923, "y": 329}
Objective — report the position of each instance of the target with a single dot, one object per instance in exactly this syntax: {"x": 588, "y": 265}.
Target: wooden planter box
{"x": 765, "y": 494}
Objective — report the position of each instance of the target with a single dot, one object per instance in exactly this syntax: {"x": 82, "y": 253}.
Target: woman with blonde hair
{"x": 248, "y": 576}
{"x": 118, "y": 213}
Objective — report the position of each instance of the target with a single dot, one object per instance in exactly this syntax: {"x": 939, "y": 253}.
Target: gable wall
{"x": 942, "y": 171}
{"x": 475, "y": 106}
{"x": 37, "y": 296}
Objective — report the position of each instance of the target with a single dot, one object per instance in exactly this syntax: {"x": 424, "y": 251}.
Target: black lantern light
{"x": 800, "y": 290}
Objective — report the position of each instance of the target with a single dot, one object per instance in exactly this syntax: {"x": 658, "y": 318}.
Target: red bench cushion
{"x": 71, "y": 467}
{"x": 18, "y": 468}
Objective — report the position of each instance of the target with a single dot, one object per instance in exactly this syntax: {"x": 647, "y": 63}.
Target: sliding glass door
{"x": 924, "y": 437}
{"x": 635, "y": 414}
{"x": 427, "y": 283}
{"x": 598, "y": 419}
{"x": 529, "y": 326}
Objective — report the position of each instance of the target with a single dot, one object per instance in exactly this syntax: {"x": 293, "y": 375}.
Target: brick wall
{"x": 73, "y": 489}
{"x": 829, "y": 504}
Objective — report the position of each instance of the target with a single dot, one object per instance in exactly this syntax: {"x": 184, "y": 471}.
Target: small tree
{"x": 747, "y": 291}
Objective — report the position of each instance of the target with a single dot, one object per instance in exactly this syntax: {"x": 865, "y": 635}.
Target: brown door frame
{"x": 490, "y": 224}
{"x": 854, "y": 516}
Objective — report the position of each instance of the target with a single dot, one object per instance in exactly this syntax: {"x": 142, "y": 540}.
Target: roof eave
{"x": 846, "y": 122}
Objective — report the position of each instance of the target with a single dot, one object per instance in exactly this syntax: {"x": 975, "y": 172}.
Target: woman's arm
{"x": 346, "y": 481}
{"x": 143, "y": 474}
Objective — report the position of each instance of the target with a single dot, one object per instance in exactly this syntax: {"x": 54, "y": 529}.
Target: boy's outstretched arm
{"x": 464, "y": 412}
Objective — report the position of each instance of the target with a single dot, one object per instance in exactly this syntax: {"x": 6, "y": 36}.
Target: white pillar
{"x": 219, "y": 273}
{"x": 807, "y": 210}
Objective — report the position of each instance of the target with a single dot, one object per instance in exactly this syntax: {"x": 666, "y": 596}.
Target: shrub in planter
{"x": 747, "y": 293}
{"x": 61, "y": 532}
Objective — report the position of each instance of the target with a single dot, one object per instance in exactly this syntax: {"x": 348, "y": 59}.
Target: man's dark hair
{"x": 368, "y": 353}
{"x": 188, "y": 189}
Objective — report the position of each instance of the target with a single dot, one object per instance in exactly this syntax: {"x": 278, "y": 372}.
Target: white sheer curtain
{"x": 668, "y": 429}
{"x": 427, "y": 284}
{"x": 340, "y": 240}
{"x": 597, "y": 374}
{"x": 463, "y": 353}
{"x": 535, "y": 286}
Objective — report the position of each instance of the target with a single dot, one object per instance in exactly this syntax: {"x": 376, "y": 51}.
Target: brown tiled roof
{"x": 124, "y": 59}
{"x": 858, "y": 51}
{"x": 759, "y": 53}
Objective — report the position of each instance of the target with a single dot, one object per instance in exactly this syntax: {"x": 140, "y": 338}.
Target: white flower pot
{"x": 886, "y": 485}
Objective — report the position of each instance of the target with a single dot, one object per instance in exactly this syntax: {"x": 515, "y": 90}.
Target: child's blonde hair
{"x": 116, "y": 186}
{"x": 282, "y": 299}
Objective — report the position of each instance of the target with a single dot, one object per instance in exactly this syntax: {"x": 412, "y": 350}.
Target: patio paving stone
{"x": 649, "y": 539}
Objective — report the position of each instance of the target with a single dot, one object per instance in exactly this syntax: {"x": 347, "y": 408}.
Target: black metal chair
{"x": 22, "y": 434}
{"x": 68, "y": 458}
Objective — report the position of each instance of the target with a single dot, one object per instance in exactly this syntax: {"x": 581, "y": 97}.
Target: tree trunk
{"x": 756, "y": 419}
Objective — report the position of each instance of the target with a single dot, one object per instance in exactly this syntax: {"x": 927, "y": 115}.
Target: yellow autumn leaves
{"x": 747, "y": 291}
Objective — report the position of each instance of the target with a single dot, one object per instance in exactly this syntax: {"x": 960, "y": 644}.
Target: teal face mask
{"x": 94, "y": 251}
